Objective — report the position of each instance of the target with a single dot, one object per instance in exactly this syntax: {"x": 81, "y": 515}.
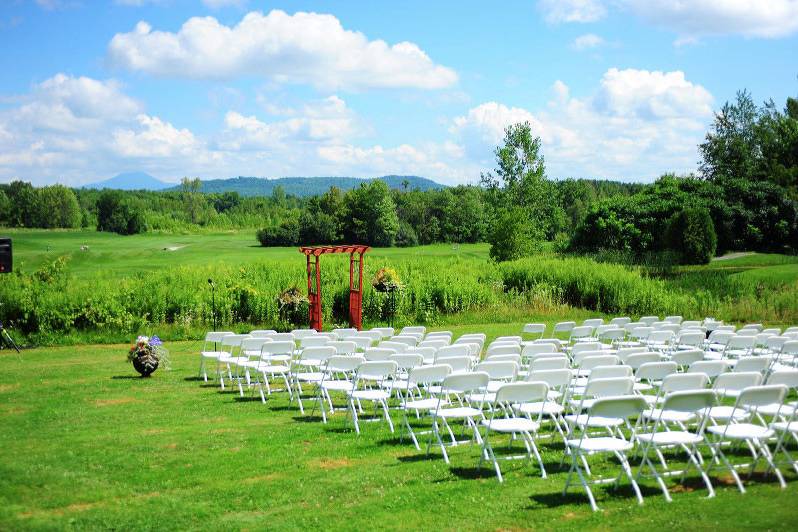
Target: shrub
{"x": 691, "y": 233}
{"x": 513, "y": 236}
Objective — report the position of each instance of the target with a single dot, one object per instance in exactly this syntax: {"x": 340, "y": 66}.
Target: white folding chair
{"x": 435, "y": 343}
{"x": 546, "y": 363}
{"x": 755, "y": 435}
{"x": 337, "y": 376}
{"x": 648, "y": 320}
{"x": 313, "y": 341}
{"x": 674, "y": 319}
{"x": 662, "y": 436}
{"x": 502, "y": 420}
{"x": 407, "y": 339}
{"x": 582, "y": 445}
{"x": 308, "y": 369}
{"x": 371, "y": 376}
{"x": 230, "y": 355}
{"x": 379, "y": 353}
{"x": 684, "y": 358}
{"x": 210, "y": 350}
{"x": 562, "y": 328}
{"x": 418, "y": 398}
{"x": 553, "y": 406}
{"x": 361, "y": 342}
{"x": 457, "y": 386}
{"x": 262, "y": 333}
{"x": 620, "y": 321}
{"x": 399, "y": 347}
{"x": 302, "y": 333}
{"x": 385, "y": 332}
{"x": 535, "y": 329}
{"x": 759, "y": 364}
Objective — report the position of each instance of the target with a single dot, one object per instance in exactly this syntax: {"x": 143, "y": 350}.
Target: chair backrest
{"x": 654, "y": 371}
{"x": 498, "y": 370}
{"x": 458, "y": 364}
{"x": 344, "y": 363}
{"x": 563, "y": 327}
{"x": 283, "y": 337}
{"x": 632, "y": 325}
{"x": 747, "y": 332}
{"x": 252, "y": 346}
{"x": 522, "y": 392}
{"x": 436, "y": 344}
{"x": 737, "y": 381}
{"x": 262, "y": 333}
{"x": 466, "y": 382}
{"x": 329, "y": 334}
{"x": 789, "y": 330}
{"x": 648, "y": 320}
{"x": 530, "y": 350}
{"x": 660, "y": 337}
{"x": 302, "y": 333}
{"x": 582, "y": 331}
{"x": 710, "y": 368}
{"x": 688, "y": 356}
{"x": 425, "y": 375}
{"x": 361, "y": 342}
{"x": 641, "y": 333}
{"x": 674, "y": 319}
{"x": 789, "y": 348}
{"x": 677, "y": 382}
{"x": 320, "y": 353}
{"x": 758, "y": 364}
{"x": 593, "y": 322}
{"x": 585, "y": 346}
{"x": 720, "y": 336}
{"x": 472, "y": 336}
{"x": 308, "y": 341}
{"x": 454, "y": 350}
{"x": 374, "y": 336}
{"x": 400, "y": 347}
{"x": 756, "y": 326}
{"x": 787, "y": 377}
{"x": 504, "y": 349}
{"x": 624, "y": 407}
{"x": 638, "y": 359}
{"x": 231, "y": 341}
{"x": 413, "y": 329}
{"x": 282, "y": 347}
{"x": 410, "y": 341}
{"x": 546, "y": 363}
{"x": 344, "y": 332}
{"x": 344, "y": 347}
{"x": 510, "y": 339}
{"x": 691, "y": 338}
{"x": 610, "y": 332}
{"x": 385, "y": 332}
{"x": 505, "y": 358}
{"x": 625, "y": 352}
{"x": 588, "y": 363}
{"x": 427, "y": 352}
{"x": 379, "y": 353}
{"x": 610, "y": 372}
{"x": 438, "y": 334}
{"x": 620, "y": 321}
{"x": 757, "y": 396}
{"x": 376, "y": 370}
{"x": 609, "y": 387}
{"x": 535, "y": 328}
{"x": 775, "y": 343}
{"x": 216, "y": 336}
{"x": 688, "y": 401}
{"x": 407, "y": 361}
{"x": 555, "y": 378}
{"x": 691, "y": 323}
{"x": 581, "y": 355}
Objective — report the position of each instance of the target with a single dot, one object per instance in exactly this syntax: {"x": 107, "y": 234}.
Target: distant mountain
{"x": 309, "y": 186}
{"x": 131, "y": 181}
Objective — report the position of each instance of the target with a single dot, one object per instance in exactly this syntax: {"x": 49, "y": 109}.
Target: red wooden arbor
{"x": 355, "y": 282}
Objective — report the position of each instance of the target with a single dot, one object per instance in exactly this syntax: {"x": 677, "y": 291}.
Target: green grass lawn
{"x": 86, "y": 444}
{"x": 117, "y": 255}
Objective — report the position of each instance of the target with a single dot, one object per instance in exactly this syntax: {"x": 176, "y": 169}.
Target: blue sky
{"x": 617, "y": 89}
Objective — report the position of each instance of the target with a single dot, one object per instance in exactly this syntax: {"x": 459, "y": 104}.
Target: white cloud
{"x": 751, "y": 18}
{"x": 557, "y": 11}
{"x": 154, "y": 138}
{"x": 690, "y": 19}
{"x": 301, "y": 48}
{"x": 637, "y": 125}
{"x": 587, "y": 41}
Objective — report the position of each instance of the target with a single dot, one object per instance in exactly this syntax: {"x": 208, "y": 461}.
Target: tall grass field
{"x": 78, "y": 286}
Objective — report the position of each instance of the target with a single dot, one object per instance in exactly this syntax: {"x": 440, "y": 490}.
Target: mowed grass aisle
{"x": 85, "y": 443}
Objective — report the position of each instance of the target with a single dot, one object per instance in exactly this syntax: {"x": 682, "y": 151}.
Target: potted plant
{"x": 147, "y": 354}
{"x": 292, "y": 306}
{"x": 387, "y": 281}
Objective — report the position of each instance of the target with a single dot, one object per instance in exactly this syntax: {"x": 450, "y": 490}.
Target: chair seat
{"x": 337, "y": 385}
{"x": 774, "y": 409}
{"x": 314, "y": 376}
{"x": 272, "y": 370}
{"x": 593, "y": 421}
{"x": 485, "y": 398}
{"x": 213, "y": 354}
{"x": 459, "y": 411}
{"x": 233, "y": 360}
{"x": 604, "y": 444}
{"x": 742, "y": 431}
{"x": 724, "y": 413}
{"x": 676, "y": 437}
{"x": 781, "y": 426}
{"x": 669, "y": 416}
{"x": 549, "y": 408}
{"x": 513, "y": 424}
{"x": 370, "y": 395}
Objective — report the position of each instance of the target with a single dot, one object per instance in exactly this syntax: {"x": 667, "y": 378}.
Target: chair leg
{"x": 387, "y": 414}
{"x": 628, "y": 471}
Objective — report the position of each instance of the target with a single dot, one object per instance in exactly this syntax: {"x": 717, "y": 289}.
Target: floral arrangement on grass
{"x": 147, "y": 354}
{"x": 292, "y": 305}
{"x": 387, "y": 280}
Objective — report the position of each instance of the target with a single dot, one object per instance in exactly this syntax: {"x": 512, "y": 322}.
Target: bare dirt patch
{"x": 331, "y": 463}
{"x": 8, "y": 387}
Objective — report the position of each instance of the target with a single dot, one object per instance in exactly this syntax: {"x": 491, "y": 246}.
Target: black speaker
{"x": 5, "y": 255}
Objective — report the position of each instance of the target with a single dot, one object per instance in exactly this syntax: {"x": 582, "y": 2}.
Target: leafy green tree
{"x": 371, "y": 215}
{"x": 22, "y": 197}
{"x": 406, "y": 236}
{"x": 777, "y": 135}
{"x": 691, "y": 234}
{"x": 117, "y": 213}
{"x": 730, "y": 148}
{"x": 193, "y": 199}
{"x": 512, "y": 237}
{"x": 56, "y": 206}
{"x": 5, "y": 208}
